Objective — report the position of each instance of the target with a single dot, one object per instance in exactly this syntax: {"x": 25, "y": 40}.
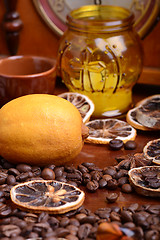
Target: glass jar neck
{"x": 100, "y": 18}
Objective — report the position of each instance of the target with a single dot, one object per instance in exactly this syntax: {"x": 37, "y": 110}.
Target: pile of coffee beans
{"x": 81, "y": 223}
{"x": 149, "y": 178}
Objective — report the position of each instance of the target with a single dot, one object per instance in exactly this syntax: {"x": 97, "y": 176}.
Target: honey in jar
{"x": 100, "y": 56}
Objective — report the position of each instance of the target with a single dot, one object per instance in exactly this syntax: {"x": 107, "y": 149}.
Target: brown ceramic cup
{"x": 22, "y": 75}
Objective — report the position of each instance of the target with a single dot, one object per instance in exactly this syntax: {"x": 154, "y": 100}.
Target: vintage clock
{"x": 54, "y": 12}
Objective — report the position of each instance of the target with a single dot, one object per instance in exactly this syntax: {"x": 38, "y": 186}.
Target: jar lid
{"x": 98, "y": 18}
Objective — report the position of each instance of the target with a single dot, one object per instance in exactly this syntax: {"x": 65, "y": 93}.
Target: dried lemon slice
{"x": 148, "y": 112}
{"x": 102, "y": 131}
{"x": 152, "y": 151}
{"x": 146, "y": 180}
{"x": 47, "y": 195}
{"x": 132, "y": 120}
{"x": 81, "y": 102}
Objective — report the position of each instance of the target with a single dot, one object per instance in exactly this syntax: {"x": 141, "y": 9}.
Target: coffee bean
{"x": 130, "y": 145}
{"x": 48, "y": 174}
{"x": 62, "y": 232}
{"x": 103, "y": 213}
{"x": 74, "y": 222}
{"x": 10, "y": 230}
{"x": 58, "y": 171}
{"x": 36, "y": 171}
{"x": 125, "y": 164}
{"x": 13, "y": 171}
{"x": 107, "y": 177}
{"x": 64, "y": 222}
{"x": 153, "y": 220}
{"x": 50, "y": 238}
{"x": 115, "y": 216}
{"x": 126, "y": 188}
{"x": 71, "y": 237}
{"x": 5, "y": 210}
{"x": 80, "y": 216}
{"x": 61, "y": 179}
{"x": 22, "y": 176}
{"x": 102, "y": 183}
{"x": 84, "y": 231}
{"x": 43, "y": 217}
{"x": 112, "y": 184}
{"x": 8, "y": 165}
{"x": 39, "y": 227}
{"x": 122, "y": 181}
{"x": 133, "y": 207}
{"x": 129, "y": 225}
{"x": 82, "y": 168}
{"x": 20, "y": 223}
{"x": 121, "y": 173}
{"x": 30, "y": 217}
{"x": 75, "y": 176}
{"x": 88, "y": 219}
{"x": 112, "y": 197}
{"x": 152, "y": 235}
{"x": 110, "y": 171}
{"x": 54, "y": 222}
{"x": 86, "y": 178}
{"x": 51, "y": 166}
{"x": 18, "y": 238}
{"x": 72, "y": 229}
{"x": 3, "y": 177}
{"x": 155, "y": 209}
{"x": 88, "y": 164}
{"x": 96, "y": 175}
{"x": 23, "y": 167}
{"x": 92, "y": 186}
{"x": 126, "y": 216}
{"x": 116, "y": 144}
{"x": 116, "y": 209}
{"x": 69, "y": 169}
{"x": 33, "y": 235}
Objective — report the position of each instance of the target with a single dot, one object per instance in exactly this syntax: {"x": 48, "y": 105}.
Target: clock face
{"x": 54, "y": 12}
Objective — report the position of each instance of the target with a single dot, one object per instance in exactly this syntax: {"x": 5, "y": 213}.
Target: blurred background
{"x": 34, "y": 27}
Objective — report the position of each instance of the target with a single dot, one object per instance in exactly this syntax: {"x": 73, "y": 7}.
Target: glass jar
{"x": 100, "y": 55}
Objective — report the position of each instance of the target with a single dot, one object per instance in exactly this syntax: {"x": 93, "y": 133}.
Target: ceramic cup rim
{"x": 18, "y": 76}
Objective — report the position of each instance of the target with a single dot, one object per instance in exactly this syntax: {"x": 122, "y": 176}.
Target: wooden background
{"x": 36, "y": 38}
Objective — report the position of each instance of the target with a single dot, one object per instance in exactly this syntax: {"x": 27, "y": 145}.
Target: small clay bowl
{"x": 22, "y": 75}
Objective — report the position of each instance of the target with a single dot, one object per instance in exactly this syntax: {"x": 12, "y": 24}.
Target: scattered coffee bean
{"x": 112, "y": 197}
{"x": 3, "y": 177}
{"x": 126, "y": 188}
{"x": 11, "y": 180}
{"x": 23, "y": 167}
{"x": 130, "y": 145}
{"x": 92, "y": 186}
{"x": 48, "y": 174}
{"x": 102, "y": 183}
{"x": 112, "y": 184}
{"x": 116, "y": 144}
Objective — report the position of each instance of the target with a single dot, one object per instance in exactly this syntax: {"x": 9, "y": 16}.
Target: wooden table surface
{"x": 102, "y": 156}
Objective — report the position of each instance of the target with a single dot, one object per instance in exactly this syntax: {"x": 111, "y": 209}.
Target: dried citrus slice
{"x": 146, "y": 180}
{"x": 148, "y": 112}
{"x": 81, "y": 102}
{"x": 47, "y": 195}
{"x": 132, "y": 120}
{"x": 102, "y": 131}
{"x": 152, "y": 151}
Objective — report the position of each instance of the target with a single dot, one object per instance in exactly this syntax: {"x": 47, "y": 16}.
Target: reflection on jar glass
{"x": 100, "y": 55}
